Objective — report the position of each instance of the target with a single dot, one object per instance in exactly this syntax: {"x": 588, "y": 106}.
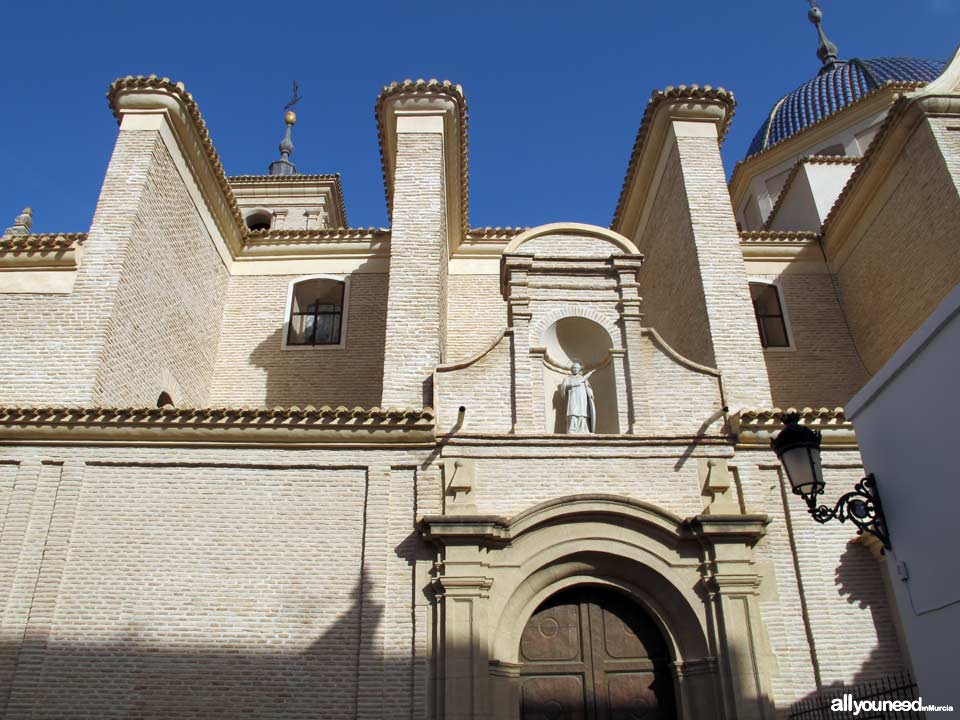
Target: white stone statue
{"x": 581, "y": 411}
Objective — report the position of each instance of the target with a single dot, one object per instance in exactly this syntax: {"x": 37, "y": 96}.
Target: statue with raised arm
{"x": 581, "y": 411}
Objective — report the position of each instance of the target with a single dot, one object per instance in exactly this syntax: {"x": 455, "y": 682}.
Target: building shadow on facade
{"x": 350, "y": 376}
{"x": 139, "y": 678}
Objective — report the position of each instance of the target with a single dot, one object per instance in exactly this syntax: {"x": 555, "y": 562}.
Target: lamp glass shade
{"x": 802, "y": 464}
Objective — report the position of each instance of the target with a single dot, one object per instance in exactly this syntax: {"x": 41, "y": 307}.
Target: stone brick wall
{"x": 203, "y": 583}
{"x": 169, "y": 300}
{"x": 144, "y": 314}
{"x": 252, "y": 369}
{"x": 722, "y": 272}
{"x": 885, "y": 301}
{"x": 483, "y": 387}
{"x": 476, "y": 313}
{"x": 827, "y": 613}
{"x": 418, "y": 262}
{"x": 821, "y": 368}
{"x": 673, "y": 302}
{"x": 523, "y": 477}
{"x": 54, "y": 342}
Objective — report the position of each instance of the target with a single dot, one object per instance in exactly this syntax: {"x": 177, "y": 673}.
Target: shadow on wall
{"x": 139, "y": 678}
{"x": 348, "y": 376}
{"x": 859, "y": 578}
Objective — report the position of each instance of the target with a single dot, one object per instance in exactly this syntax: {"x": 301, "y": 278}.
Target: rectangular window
{"x": 769, "y": 313}
{"x": 316, "y": 313}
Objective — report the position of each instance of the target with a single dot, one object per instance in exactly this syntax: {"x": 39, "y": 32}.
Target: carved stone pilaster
{"x": 463, "y": 657}
{"x": 732, "y": 583}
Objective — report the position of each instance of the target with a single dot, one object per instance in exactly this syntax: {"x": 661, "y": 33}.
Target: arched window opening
{"x": 769, "y": 313}
{"x": 316, "y": 312}
{"x": 259, "y": 220}
{"x": 164, "y": 400}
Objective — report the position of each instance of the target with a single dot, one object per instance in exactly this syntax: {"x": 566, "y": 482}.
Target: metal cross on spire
{"x": 283, "y": 166}
{"x": 297, "y": 97}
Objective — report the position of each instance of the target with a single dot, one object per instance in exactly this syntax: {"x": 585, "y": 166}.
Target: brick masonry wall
{"x": 821, "y": 368}
{"x": 476, "y": 313}
{"x": 169, "y": 301}
{"x": 733, "y": 330}
{"x": 483, "y": 387}
{"x": 418, "y": 259}
{"x": 215, "y": 582}
{"x": 252, "y": 369}
{"x": 827, "y": 613}
{"x": 884, "y": 299}
{"x": 180, "y": 582}
{"x": 673, "y": 302}
{"x": 509, "y": 485}
{"x": 54, "y": 342}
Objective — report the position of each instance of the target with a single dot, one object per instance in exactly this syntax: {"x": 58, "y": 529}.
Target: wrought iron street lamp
{"x": 798, "y": 448}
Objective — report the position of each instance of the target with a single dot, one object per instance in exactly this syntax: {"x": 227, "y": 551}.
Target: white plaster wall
{"x": 906, "y": 419}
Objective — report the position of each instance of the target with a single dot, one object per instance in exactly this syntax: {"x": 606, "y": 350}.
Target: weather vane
{"x": 296, "y": 95}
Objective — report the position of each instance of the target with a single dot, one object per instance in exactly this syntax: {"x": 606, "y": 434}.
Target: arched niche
{"x": 577, "y": 338}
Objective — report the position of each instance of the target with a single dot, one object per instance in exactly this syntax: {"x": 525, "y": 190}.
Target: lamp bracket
{"x": 861, "y": 506}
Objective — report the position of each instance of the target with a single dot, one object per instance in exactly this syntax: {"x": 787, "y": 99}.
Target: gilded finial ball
{"x": 815, "y": 15}
{"x": 291, "y": 117}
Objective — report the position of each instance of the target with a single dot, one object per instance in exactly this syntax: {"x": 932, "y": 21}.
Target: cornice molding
{"x": 672, "y": 103}
{"x": 449, "y": 99}
{"x": 756, "y": 428}
{"x": 281, "y": 179}
{"x": 231, "y": 426}
{"x": 41, "y": 251}
{"x": 332, "y": 179}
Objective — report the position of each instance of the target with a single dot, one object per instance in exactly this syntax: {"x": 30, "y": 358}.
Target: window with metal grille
{"x": 769, "y": 312}
{"x": 316, "y": 312}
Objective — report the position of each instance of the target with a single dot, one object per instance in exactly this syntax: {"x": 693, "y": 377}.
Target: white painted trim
{"x": 345, "y": 279}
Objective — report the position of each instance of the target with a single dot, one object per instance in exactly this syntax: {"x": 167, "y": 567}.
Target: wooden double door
{"x": 591, "y": 653}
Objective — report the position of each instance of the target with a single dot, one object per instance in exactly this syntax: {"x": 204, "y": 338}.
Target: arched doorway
{"x": 589, "y": 653}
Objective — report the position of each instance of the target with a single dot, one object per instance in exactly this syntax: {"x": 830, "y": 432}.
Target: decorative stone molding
{"x": 623, "y": 245}
{"x": 53, "y": 251}
{"x": 694, "y": 576}
{"x": 755, "y": 428}
{"x": 672, "y": 103}
{"x": 233, "y": 426}
{"x": 778, "y": 236}
{"x": 247, "y": 184}
{"x": 830, "y": 159}
{"x": 494, "y": 233}
{"x": 544, "y": 321}
{"x": 320, "y": 242}
{"x": 421, "y": 94}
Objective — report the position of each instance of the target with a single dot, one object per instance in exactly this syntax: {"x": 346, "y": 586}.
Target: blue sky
{"x": 555, "y": 90}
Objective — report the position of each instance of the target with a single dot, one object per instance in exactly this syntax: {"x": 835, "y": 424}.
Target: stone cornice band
{"x": 307, "y": 425}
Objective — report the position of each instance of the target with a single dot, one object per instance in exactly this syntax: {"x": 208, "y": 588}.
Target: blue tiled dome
{"x": 834, "y": 89}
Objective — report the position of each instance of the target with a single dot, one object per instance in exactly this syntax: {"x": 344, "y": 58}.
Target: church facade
{"x": 259, "y": 463}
